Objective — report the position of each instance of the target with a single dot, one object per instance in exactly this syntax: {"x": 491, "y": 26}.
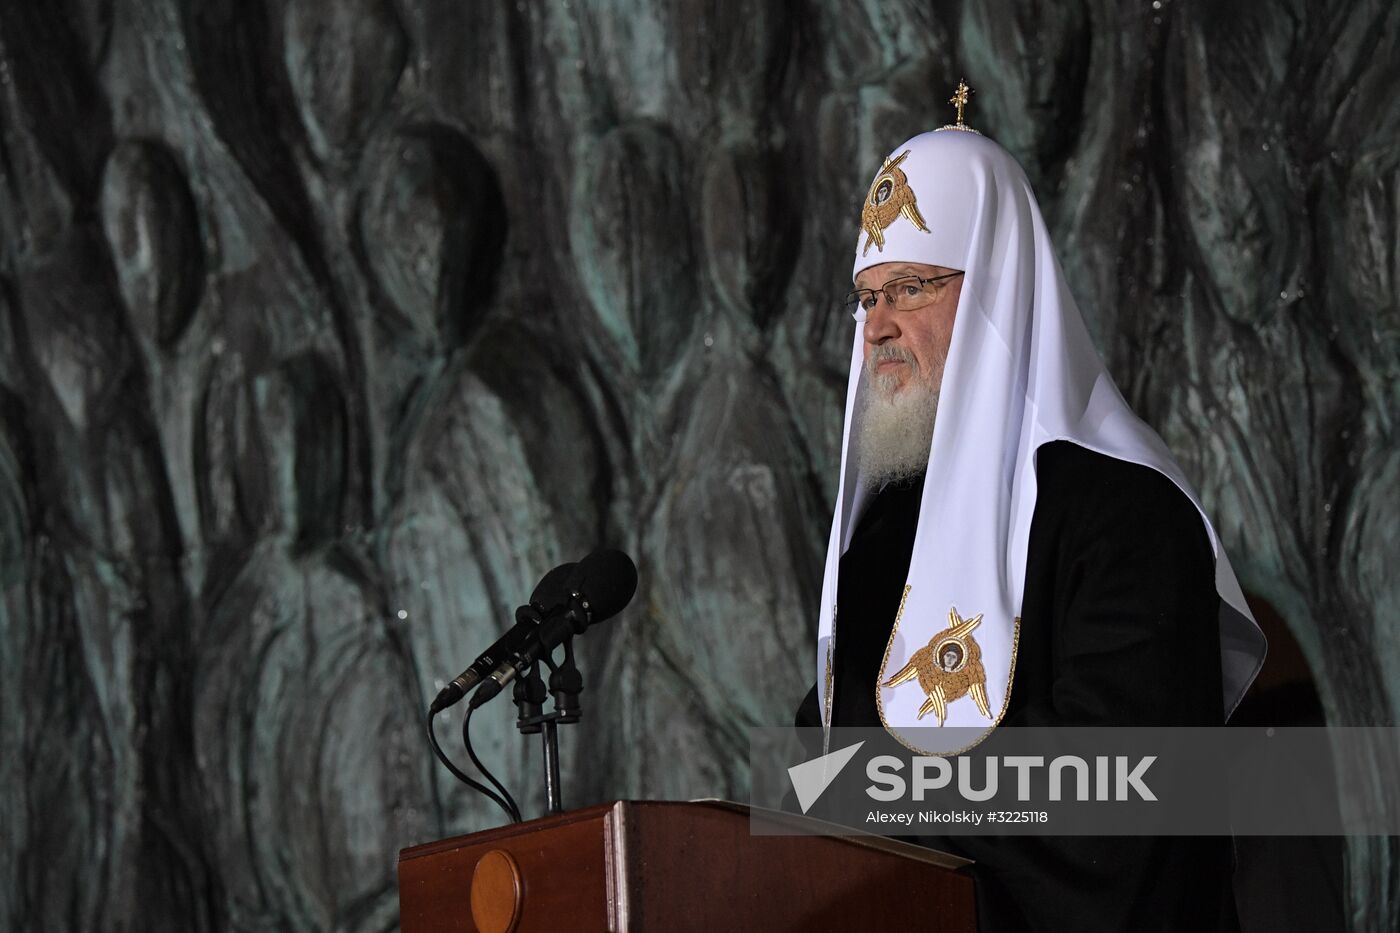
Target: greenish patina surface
{"x": 325, "y": 328}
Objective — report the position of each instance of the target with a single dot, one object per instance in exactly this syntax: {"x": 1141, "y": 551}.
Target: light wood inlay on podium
{"x": 496, "y": 890}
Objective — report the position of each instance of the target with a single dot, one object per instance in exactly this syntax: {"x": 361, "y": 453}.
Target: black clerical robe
{"x": 1118, "y": 627}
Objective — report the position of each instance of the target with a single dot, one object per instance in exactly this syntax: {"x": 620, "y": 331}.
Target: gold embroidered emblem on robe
{"x": 949, "y": 668}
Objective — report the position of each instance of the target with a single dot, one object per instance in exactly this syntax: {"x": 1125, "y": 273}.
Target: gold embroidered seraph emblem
{"x": 890, "y": 197}
{"x": 949, "y": 668}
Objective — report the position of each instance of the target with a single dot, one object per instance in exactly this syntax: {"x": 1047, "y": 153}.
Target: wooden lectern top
{"x": 669, "y": 866}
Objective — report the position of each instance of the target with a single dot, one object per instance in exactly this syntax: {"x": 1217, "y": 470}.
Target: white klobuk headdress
{"x": 1021, "y": 372}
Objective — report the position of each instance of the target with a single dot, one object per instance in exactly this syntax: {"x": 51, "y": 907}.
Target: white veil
{"x": 1021, "y": 371}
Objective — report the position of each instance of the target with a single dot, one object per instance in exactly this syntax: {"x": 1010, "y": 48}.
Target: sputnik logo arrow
{"x": 811, "y": 778}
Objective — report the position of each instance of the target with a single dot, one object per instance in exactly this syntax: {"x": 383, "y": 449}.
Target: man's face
{"x": 905, "y": 345}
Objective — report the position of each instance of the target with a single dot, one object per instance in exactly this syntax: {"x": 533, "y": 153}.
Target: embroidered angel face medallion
{"x": 949, "y": 668}
{"x": 890, "y": 197}
{"x": 950, "y": 655}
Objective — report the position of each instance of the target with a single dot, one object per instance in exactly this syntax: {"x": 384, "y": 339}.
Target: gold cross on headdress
{"x": 959, "y": 100}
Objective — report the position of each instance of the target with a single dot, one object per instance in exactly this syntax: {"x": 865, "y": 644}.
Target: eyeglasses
{"x": 905, "y": 293}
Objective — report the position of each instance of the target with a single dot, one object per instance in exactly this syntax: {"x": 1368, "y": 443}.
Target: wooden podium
{"x": 674, "y": 867}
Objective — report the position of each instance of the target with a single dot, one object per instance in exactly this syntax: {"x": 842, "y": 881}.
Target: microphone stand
{"x": 529, "y": 694}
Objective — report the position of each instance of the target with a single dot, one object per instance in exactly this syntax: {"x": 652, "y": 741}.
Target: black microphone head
{"x": 554, "y": 588}
{"x": 608, "y": 580}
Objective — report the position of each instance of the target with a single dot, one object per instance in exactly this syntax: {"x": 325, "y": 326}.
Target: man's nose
{"x": 881, "y": 321}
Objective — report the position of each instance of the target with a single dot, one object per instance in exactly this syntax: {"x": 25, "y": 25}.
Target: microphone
{"x": 552, "y": 591}
{"x": 601, "y": 586}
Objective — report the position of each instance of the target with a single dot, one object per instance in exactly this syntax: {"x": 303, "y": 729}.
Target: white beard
{"x": 896, "y": 427}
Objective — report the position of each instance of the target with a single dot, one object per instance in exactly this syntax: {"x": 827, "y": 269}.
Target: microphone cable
{"x": 471, "y": 753}
{"x": 510, "y": 809}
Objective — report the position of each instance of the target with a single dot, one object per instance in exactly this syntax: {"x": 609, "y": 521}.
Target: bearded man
{"x": 998, "y": 498}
